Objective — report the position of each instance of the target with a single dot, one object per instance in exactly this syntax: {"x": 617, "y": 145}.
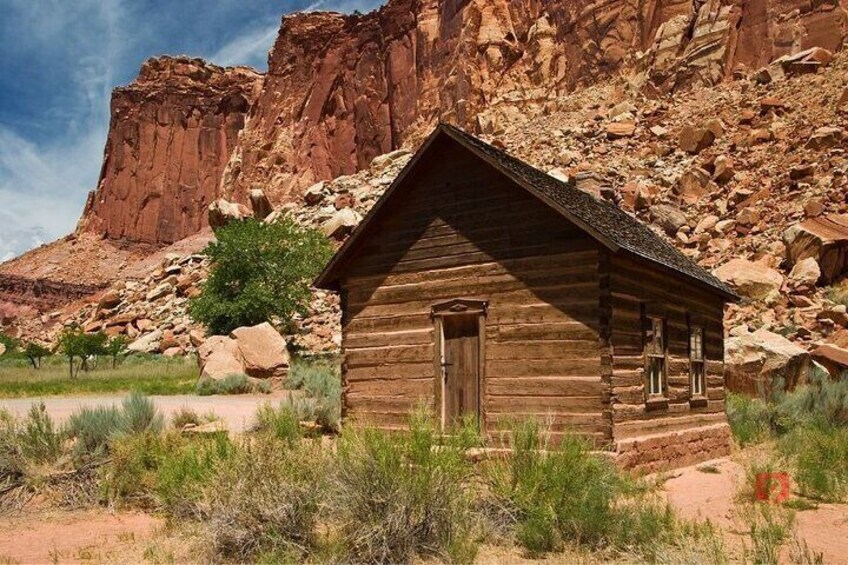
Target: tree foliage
{"x": 259, "y": 271}
{"x": 116, "y": 348}
{"x": 75, "y": 344}
{"x": 35, "y": 352}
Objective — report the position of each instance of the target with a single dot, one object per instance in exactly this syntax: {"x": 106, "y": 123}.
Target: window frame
{"x": 697, "y": 363}
{"x": 655, "y": 354}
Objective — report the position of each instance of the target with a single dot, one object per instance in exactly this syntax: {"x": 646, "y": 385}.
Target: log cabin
{"x": 485, "y": 288}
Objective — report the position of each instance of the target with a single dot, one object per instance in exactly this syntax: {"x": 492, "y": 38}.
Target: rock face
{"x": 171, "y": 134}
{"x": 761, "y": 362}
{"x": 342, "y": 89}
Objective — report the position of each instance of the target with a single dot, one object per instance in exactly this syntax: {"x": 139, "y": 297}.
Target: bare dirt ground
{"x": 700, "y": 495}
{"x": 704, "y": 491}
{"x": 95, "y": 535}
{"x": 237, "y": 411}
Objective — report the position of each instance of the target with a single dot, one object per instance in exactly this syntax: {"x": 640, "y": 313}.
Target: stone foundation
{"x": 660, "y": 452}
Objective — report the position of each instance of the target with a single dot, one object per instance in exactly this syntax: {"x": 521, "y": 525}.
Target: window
{"x": 696, "y": 361}
{"x": 655, "y": 353}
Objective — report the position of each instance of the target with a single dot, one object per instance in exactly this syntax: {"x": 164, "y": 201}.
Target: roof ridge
{"x": 538, "y": 181}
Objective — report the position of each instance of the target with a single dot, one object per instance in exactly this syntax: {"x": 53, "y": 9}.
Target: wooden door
{"x": 461, "y": 367}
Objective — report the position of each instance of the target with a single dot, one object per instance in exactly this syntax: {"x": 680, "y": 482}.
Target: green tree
{"x": 35, "y": 352}
{"x": 75, "y": 344}
{"x": 259, "y": 271}
{"x": 10, "y": 343}
{"x": 71, "y": 344}
{"x": 93, "y": 345}
{"x": 116, "y": 348}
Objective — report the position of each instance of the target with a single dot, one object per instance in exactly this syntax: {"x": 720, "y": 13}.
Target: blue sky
{"x": 60, "y": 59}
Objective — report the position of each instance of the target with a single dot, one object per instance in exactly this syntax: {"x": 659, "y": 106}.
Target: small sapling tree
{"x": 35, "y": 352}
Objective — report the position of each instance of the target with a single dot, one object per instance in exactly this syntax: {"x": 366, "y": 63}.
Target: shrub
{"x": 187, "y": 470}
{"x": 404, "y": 494}
{"x": 839, "y": 293}
{"x": 820, "y": 454}
{"x": 749, "y": 418}
{"x": 140, "y": 415}
{"x": 555, "y": 495}
{"x": 39, "y": 440}
{"x": 265, "y": 499}
{"x": 12, "y": 462}
{"x": 282, "y": 423}
{"x": 321, "y": 379}
{"x": 183, "y": 417}
{"x": 769, "y": 526}
{"x": 167, "y": 470}
{"x": 93, "y": 428}
{"x": 259, "y": 271}
{"x": 231, "y": 384}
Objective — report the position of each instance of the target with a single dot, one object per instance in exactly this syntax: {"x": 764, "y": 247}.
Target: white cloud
{"x": 42, "y": 190}
{"x": 249, "y": 48}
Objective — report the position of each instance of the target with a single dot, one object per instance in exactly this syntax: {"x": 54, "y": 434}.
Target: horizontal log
{"x": 520, "y": 264}
{"x": 382, "y": 339}
{"x": 376, "y": 356}
{"x": 548, "y": 368}
{"x": 545, "y": 386}
{"x": 522, "y": 351}
{"x": 395, "y": 371}
{"x": 542, "y": 404}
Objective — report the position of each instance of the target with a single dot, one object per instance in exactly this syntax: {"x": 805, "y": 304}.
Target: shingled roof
{"x": 604, "y": 221}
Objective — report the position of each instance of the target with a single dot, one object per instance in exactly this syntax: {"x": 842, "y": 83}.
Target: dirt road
{"x": 236, "y": 410}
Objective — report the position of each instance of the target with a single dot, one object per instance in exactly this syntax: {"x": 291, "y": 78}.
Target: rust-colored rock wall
{"x": 171, "y": 133}
{"x": 343, "y": 89}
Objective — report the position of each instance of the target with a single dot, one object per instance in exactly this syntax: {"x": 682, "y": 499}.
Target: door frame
{"x": 459, "y": 307}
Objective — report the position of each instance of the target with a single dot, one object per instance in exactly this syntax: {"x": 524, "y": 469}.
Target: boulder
{"x": 109, "y": 300}
{"x": 694, "y": 140}
{"x": 219, "y": 357}
{"x": 832, "y": 357}
{"x": 825, "y": 137}
{"x": 314, "y": 195}
{"x": 619, "y": 130}
{"x": 724, "y": 169}
{"x": 669, "y": 218}
{"x": 148, "y": 343}
{"x": 692, "y": 186}
{"x": 261, "y": 205}
{"x": 262, "y": 351}
{"x": 749, "y": 279}
{"x": 221, "y": 212}
{"x": 2, "y": 349}
{"x": 764, "y": 362}
{"x": 806, "y": 272}
{"x": 342, "y": 223}
{"x": 824, "y": 238}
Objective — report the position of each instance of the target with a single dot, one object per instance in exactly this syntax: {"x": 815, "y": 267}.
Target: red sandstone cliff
{"x": 171, "y": 133}
{"x": 343, "y": 89}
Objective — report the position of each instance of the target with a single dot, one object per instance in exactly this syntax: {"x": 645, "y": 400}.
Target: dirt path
{"x": 73, "y": 537}
{"x": 696, "y": 494}
{"x": 236, "y": 410}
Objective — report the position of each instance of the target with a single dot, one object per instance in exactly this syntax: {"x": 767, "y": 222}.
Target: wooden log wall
{"x": 632, "y": 284}
{"x": 459, "y": 229}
